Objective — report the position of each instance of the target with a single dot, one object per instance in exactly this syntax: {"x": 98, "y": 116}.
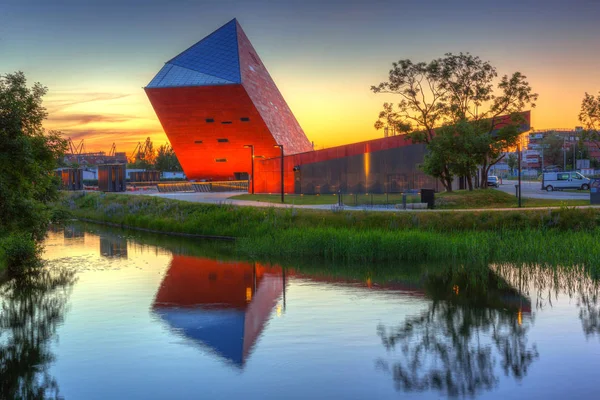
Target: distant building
{"x": 93, "y": 159}
{"x": 533, "y": 151}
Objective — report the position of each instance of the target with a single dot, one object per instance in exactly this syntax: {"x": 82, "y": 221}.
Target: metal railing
{"x": 405, "y": 199}
{"x": 218, "y": 186}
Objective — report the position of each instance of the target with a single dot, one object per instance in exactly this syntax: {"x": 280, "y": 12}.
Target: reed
{"x": 565, "y": 236}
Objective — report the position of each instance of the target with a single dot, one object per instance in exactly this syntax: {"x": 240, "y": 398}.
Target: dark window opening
{"x": 221, "y": 160}
{"x": 209, "y": 120}
{"x": 223, "y": 140}
{"x": 241, "y": 176}
{"x": 244, "y": 119}
{"x": 226, "y": 122}
{"x": 254, "y": 58}
{"x": 198, "y": 141}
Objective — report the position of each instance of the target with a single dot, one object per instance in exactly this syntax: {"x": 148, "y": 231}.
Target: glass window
{"x": 562, "y": 177}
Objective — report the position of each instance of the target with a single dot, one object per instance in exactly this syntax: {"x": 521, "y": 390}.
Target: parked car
{"x": 564, "y": 180}
{"x": 493, "y": 181}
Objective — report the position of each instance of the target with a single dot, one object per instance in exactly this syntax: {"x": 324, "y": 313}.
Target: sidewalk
{"x": 223, "y": 198}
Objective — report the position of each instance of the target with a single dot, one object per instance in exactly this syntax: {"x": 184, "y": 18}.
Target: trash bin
{"x": 428, "y": 196}
{"x": 595, "y": 192}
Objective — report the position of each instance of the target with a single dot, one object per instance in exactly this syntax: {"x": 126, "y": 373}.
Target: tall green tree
{"x": 553, "y": 150}
{"x": 28, "y": 156}
{"x": 166, "y": 160}
{"x": 589, "y": 116}
{"x": 454, "y": 90}
{"x": 145, "y": 158}
{"x": 512, "y": 161}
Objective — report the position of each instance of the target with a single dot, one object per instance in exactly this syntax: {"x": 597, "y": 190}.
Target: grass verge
{"x": 562, "y": 236}
{"x": 460, "y": 199}
{"x": 490, "y": 198}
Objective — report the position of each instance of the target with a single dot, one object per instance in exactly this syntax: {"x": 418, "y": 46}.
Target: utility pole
{"x": 282, "y": 173}
{"x": 574, "y": 157}
{"x": 564, "y": 155}
{"x": 519, "y": 160}
{"x": 251, "y": 147}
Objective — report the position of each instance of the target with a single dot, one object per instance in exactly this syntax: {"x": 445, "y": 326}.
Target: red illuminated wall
{"x": 268, "y": 172}
{"x": 268, "y": 100}
{"x": 183, "y": 112}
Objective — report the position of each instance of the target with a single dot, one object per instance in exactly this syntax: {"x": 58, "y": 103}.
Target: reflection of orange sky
{"x": 333, "y": 109}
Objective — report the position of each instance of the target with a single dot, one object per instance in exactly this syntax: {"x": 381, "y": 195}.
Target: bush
{"x": 20, "y": 252}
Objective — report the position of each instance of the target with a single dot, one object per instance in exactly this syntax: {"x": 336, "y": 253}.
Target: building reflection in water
{"x": 113, "y": 246}
{"x": 220, "y": 305}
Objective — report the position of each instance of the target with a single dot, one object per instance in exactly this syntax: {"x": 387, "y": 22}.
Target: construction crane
{"x": 76, "y": 150}
{"x": 139, "y": 150}
{"x": 113, "y": 150}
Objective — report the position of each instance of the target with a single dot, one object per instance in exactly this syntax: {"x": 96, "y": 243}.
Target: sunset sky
{"x": 96, "y": 56}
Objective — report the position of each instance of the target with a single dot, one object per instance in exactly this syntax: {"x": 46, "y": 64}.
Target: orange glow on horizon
{"x": 340, "y": 114}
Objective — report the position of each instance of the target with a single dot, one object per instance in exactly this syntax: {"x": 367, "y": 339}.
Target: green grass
{"x": 478, "y": 248}
{"x": 490, "y": 198}
{"x": 563, "y": 236}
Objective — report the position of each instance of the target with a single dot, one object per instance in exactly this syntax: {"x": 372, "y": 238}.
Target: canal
{"x": 121, "y": 315}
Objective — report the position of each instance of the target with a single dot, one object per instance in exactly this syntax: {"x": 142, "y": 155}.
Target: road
{"x": 533, "y": 190}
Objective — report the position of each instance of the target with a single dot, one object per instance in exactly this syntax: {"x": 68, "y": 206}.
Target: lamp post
{"x": 519, "y": 161}
{"x": 251, "y": 147}
{"x": 282, "y": 173}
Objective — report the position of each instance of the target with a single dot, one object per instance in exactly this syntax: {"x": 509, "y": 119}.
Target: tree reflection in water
{"x": 453, "y": 346}
{"x": 32, "y": 307}
{"x": 548, "y": 283}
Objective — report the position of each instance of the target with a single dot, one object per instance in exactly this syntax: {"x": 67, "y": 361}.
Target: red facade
{"x": 215, "y": 98}
{"x": 268, "y": 172}
{"x": 212, "y": 150}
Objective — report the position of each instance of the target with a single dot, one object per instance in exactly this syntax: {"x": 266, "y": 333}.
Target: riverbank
{"x": 562, "y": 236}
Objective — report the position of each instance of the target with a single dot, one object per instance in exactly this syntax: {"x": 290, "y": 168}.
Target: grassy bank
{"x": 563, "y": 236}
{"x": 460, "y": 199}
{"x": 491, "y": 198}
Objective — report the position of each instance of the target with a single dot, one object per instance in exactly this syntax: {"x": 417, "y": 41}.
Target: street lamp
{"x": 251, "y": 147}
{"x": 282, "y": 175}
{"x": 519, "y": 160}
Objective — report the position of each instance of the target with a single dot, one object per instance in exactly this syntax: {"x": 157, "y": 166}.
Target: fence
{"x": 405, "y": 199}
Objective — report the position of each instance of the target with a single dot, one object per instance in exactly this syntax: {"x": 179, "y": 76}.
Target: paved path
{"x": 534, "y": 190}
{"x": 223, "y": 198}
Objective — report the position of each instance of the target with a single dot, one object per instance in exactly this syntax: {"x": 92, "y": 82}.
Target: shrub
{"x": 20, "y": 252}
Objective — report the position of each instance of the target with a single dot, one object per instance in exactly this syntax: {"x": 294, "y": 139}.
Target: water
{"x": 120, "y": 316}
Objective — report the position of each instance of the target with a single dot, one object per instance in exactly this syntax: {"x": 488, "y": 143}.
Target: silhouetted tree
{"x": 448, "y": 91}
{"x": 166, "y": 160}
{"x": 589, "y": 116}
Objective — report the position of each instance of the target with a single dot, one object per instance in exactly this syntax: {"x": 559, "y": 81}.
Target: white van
{"x": 564, "y": 180}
